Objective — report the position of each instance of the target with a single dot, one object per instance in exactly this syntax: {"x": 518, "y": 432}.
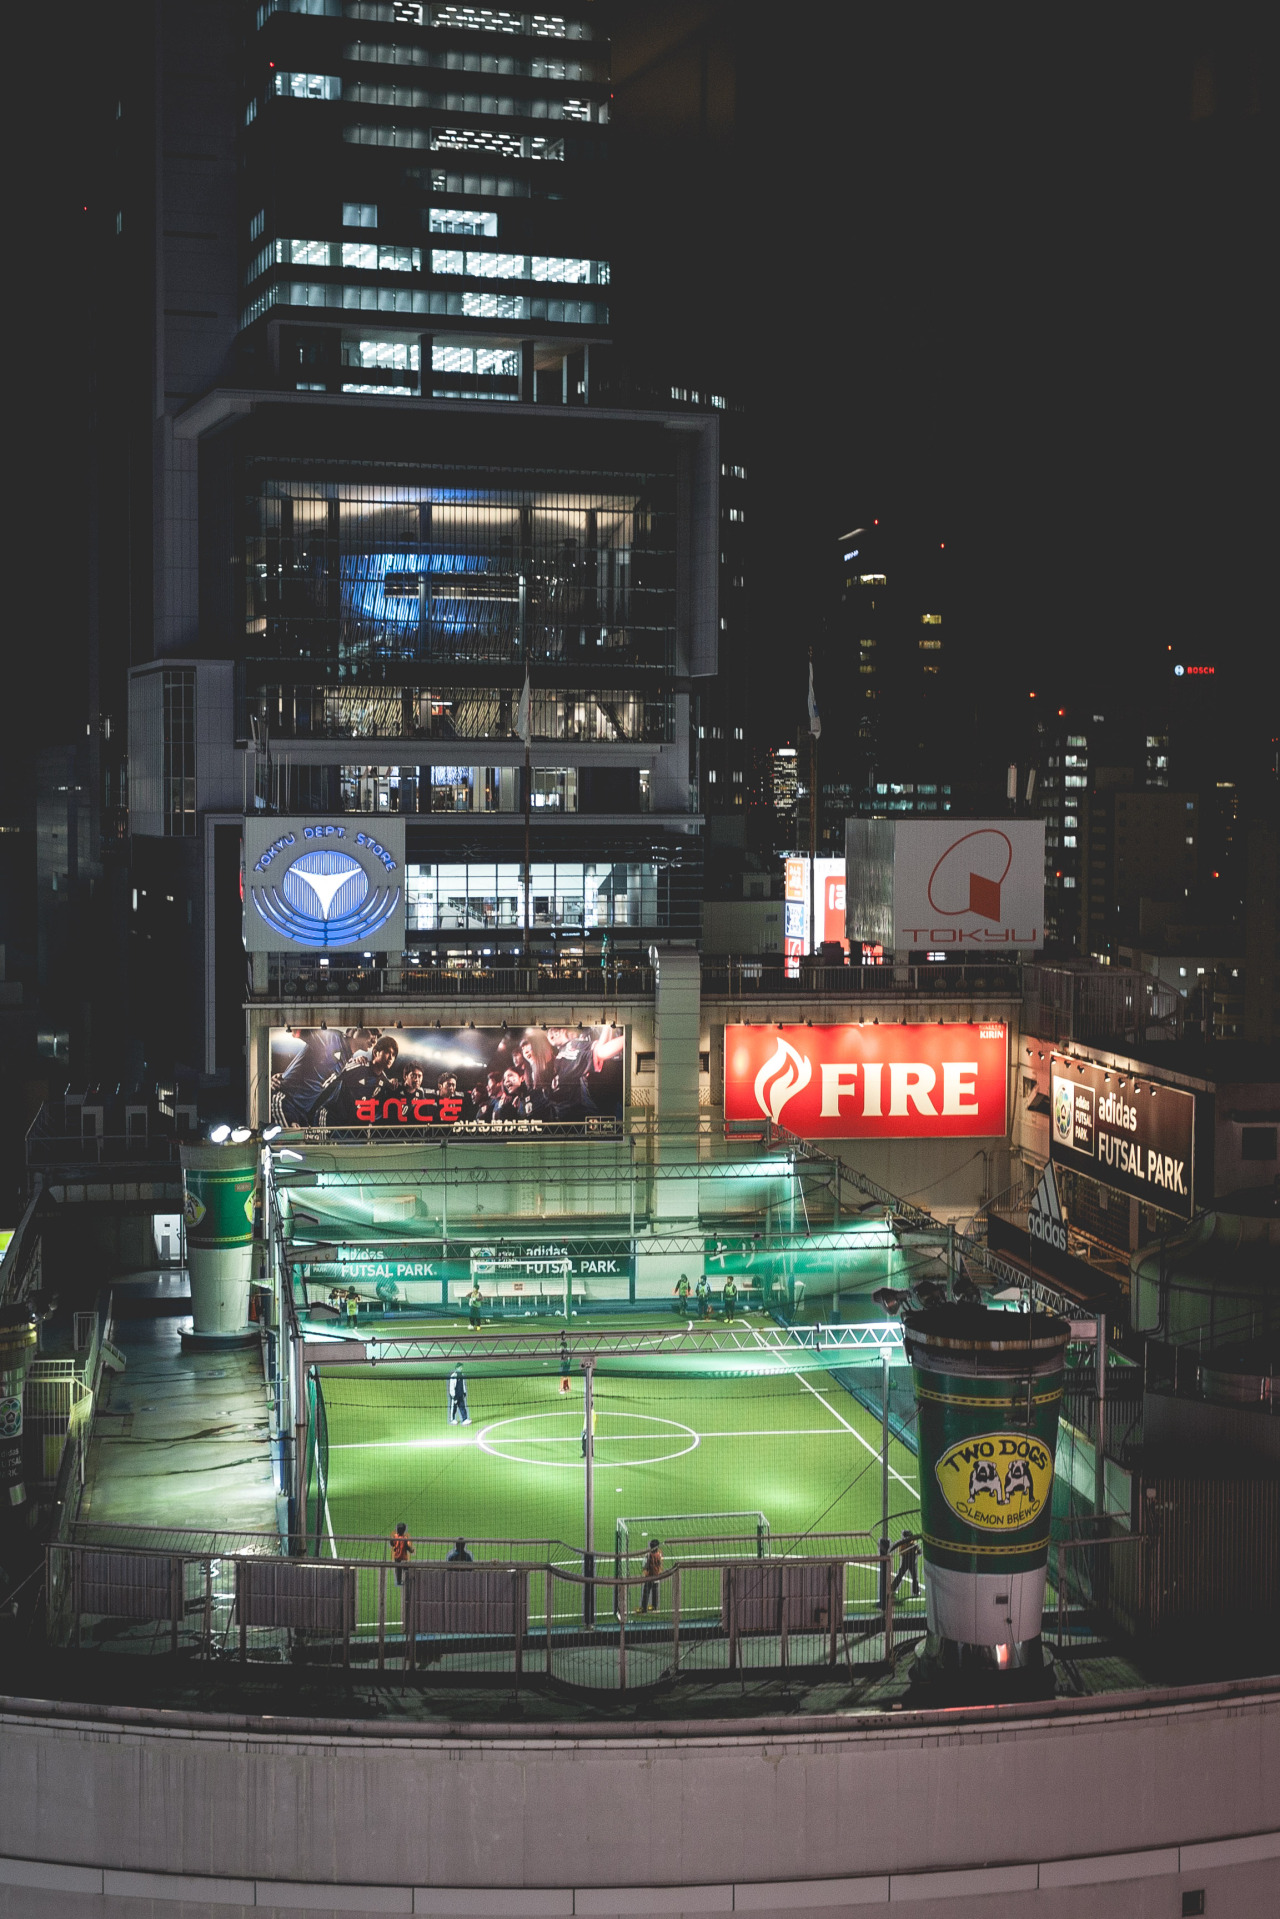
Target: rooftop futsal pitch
{"x": 734, "y": 1434}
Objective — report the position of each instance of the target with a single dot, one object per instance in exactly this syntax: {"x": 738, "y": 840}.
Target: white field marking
{"x": 575, "y": 1439}
{"x": 333, "y": 1544}
{"x": 873, "y": 1450}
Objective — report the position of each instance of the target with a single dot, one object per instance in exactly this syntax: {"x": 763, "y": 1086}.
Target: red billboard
{"x": 870, "y": 1082}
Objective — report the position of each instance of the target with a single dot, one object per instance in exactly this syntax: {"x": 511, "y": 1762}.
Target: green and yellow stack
{"x": 988, "y": 1390}
{"x": 219, "y": 1188}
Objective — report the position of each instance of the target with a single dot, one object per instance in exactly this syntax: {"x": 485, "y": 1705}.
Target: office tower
{"x": 386, "y": 481}
{"x": 889, "y": 672}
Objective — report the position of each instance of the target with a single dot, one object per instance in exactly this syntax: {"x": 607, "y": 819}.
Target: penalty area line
{"x": 873, "y": 1450}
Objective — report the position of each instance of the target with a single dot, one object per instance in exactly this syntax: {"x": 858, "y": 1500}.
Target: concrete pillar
{"x": 17, "y": 1348}
{"x": 677, "y": 1025}
{"x": 219, "y": 1187}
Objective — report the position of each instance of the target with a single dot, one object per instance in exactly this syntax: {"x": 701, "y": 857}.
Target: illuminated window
{"x": 464, "y": 359}
{"x": 734, "y": 472}
{"x": 736, "y": 513}
{"x": 309, "y": 86}
{"x": 387, "y": 392}
{"x": 495, "y": 266}
{"x": 397, "y": 356}
{"x": 930, "y": 646}
{"x": 931, "y": 619}
{"x": 873, "y": 579}
{"x": 1068, "y": 839}
{"x": 1076, "y": 739}
{"x": 1074, "y": 779}
{"x": 359, "y": 213}
{"x": 866, "y": 669}
{"x": 463, "y": 220}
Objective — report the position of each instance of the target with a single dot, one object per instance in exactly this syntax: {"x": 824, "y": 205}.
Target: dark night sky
{"x": 994, "y": 274}
{"x": 991, "y": 273}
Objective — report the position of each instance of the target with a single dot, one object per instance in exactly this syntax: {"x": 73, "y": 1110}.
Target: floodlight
{"x": 219, "y": 1133}
{"x": 240, "y": 1135}
{"x": 271, "y": 1132}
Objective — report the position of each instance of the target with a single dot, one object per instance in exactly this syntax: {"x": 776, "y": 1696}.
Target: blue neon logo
{"x": 325, "y": 899}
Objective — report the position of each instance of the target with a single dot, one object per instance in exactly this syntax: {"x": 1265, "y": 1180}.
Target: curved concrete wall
{"x": 1097, "y": 1805}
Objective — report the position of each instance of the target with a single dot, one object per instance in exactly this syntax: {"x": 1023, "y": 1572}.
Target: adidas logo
{"x": 1044, "y": 1220}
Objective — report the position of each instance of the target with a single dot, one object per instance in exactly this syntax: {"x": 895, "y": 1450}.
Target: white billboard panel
{"x": 325, "y": 885}
{"x": 962, "y": 885}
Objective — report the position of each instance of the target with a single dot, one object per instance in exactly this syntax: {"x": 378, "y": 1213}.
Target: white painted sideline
{"x": 604, "y": 1902}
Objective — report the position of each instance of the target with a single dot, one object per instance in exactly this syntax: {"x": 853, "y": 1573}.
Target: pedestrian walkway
{"x": 180, "y": 1439}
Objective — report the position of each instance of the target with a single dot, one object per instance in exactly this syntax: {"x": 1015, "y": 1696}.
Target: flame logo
{"x": 789, "y": 1072}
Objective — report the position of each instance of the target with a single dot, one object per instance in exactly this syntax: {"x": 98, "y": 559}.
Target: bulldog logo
{"x": 996, "y": 1482}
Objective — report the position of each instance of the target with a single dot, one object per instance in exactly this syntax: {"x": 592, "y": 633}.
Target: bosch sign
{"x": 328, "y": 885}
{"x": 869, "y": 1082}
{"x": 1134, "y": 1135}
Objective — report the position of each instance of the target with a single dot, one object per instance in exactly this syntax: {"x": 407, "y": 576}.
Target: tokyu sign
{"x": 1136, "y": 1136}
{"x": 963, "y": 886}
{"x": 870, "y": 1082}
{"x": 325, "y": 885}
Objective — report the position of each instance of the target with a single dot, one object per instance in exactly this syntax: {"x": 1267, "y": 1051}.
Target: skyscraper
{"x": 383, "y": 483}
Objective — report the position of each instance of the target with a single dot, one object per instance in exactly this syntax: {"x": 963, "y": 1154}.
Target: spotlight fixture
{"x": 240, "y": 1135}
{"x": 324, "y": 1026}
{"x": 1106, "y": 1079}
{"x": 437, "y": 1026}
{"x": 271, "y": 1132}
{"x": 875, "y": 1022}
{"x": 219, "y": 1133}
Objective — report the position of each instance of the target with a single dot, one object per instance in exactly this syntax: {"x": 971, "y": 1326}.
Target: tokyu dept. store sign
{"x": 323, "y": 885}
{"x": 1133, "y": 1135}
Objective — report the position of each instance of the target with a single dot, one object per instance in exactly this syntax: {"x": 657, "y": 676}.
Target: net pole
{"x": 885, "y": 1594}
{"x": 589, "y": 1492}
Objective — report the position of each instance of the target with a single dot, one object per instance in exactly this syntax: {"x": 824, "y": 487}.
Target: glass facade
{"x": 178, "y": 771}
{"x": 572, "y": 896}
{"x": 363, "y": 579}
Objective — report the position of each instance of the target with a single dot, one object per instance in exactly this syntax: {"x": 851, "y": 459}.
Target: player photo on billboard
{"x": 417, "y": 1075}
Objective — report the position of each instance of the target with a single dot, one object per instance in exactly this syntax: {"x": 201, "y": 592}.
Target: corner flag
{"x": 524, "y": 711}
{"x": 815, "y": 718}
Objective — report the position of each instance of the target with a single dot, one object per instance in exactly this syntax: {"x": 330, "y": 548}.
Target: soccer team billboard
{"x": 968, "y": 886}
{"x": 325, "y": 885}
{"x": 869, "y": 1081}
{"x": 471, "y": 1079}
{"x": 1134, "y": 1136}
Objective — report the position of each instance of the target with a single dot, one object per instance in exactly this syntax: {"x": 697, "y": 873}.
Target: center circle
{"x": 575, "y": 1464}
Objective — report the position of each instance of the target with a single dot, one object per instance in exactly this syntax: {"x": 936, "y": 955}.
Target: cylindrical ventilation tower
{"x": 988, "y": 1388}
{"x": 219, "y": 1187}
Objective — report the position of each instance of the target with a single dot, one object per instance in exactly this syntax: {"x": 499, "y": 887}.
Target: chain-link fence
{"x": 558, "y": 1616}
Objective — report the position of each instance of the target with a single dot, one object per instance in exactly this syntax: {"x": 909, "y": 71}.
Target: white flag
{"x": 815, "y": 718}
{"x": 523, "y": 711}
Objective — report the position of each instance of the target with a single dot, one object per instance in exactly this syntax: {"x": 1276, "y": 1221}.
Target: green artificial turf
{"x": 793, "y": 1445}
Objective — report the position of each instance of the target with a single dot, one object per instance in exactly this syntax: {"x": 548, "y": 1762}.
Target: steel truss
{"x": 688, "y": 1342}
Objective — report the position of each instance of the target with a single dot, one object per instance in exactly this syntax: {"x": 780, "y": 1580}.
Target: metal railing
{"x": 766, "y": 977}
{"x": 294, "y": 978}
{"x": 508, "y": 1617}
{"x": 290, "y": 976}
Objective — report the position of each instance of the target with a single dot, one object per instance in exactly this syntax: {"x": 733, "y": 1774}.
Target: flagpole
{"x": 813, "y": 818}
{"x": 527, "y": 876}
{"x": 524, "y": 722}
